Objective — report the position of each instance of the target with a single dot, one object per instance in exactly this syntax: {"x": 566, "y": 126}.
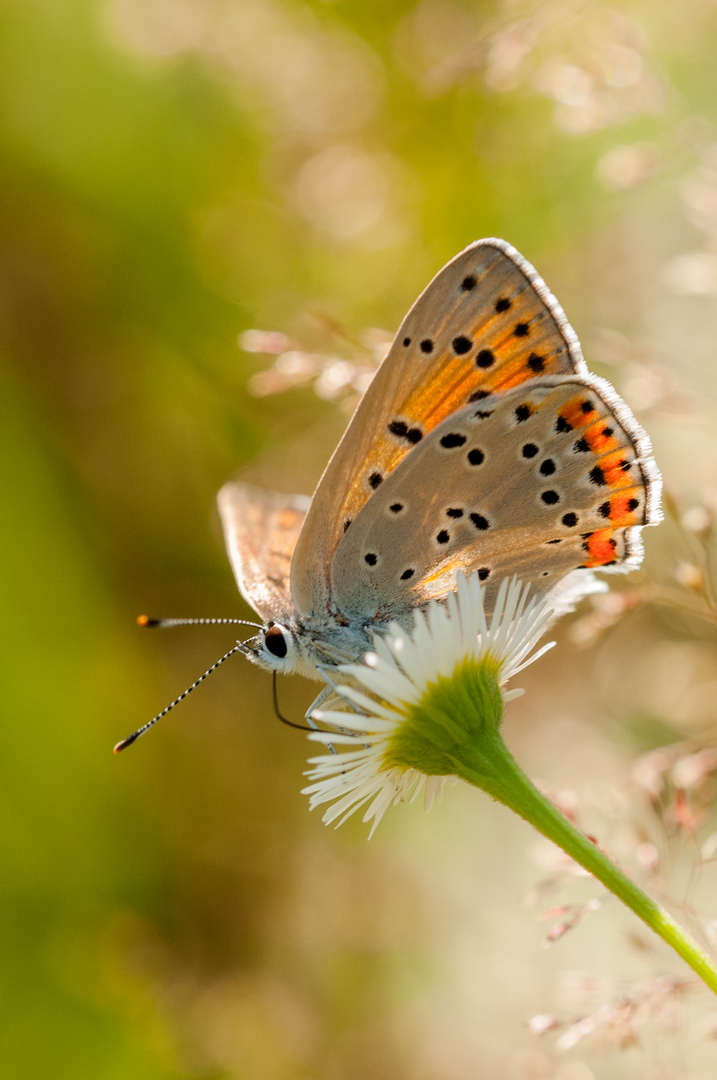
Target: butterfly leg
{"x": 330, "y": 697}
{"x": 332, "y": 694}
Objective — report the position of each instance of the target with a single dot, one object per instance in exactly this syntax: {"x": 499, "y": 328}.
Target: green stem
{"x": 488, "y": 764}
{"x": 455, "y": 729}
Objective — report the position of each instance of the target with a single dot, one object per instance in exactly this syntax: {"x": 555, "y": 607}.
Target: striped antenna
{"x": 144, "y": 620}
{"x": 140, "y": 731}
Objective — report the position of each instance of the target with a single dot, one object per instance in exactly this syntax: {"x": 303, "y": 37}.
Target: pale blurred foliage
{"x": 188, "y": 171}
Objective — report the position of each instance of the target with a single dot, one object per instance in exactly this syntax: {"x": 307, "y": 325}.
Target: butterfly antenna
{"x": 240, "y": 647}
{"x": 144, "y": 620}
{"x": 277, "y": 710}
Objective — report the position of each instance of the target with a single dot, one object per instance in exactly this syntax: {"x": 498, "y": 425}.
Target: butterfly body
{"x": 483, "y": 443}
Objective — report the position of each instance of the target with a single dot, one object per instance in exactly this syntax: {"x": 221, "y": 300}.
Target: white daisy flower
{"x": 430, "y": 696}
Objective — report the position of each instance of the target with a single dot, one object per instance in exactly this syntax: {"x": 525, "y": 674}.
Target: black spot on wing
{"x": 461, "y": 345}
{"x": 401, "y": 430}
{"x": 536, "y": 363}
{"x": 452, "y": 439}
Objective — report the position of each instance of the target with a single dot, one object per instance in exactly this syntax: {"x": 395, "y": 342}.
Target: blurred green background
{"x": 174, "y": 174}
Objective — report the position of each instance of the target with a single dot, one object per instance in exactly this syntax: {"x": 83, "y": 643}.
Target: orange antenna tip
{"x": 124, "y": 743}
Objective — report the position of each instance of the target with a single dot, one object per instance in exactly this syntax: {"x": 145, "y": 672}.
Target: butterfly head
{"x": 301, "y": 646}
{"x": 277, "y": 647}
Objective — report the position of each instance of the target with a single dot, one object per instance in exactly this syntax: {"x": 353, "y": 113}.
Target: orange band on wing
{"x": 616, "y": 470}
{"x": 600, "y": 438}
{"x": 621, "y": 509}
{"x": 600, "y": 547}
{"x": 579, "y": 411}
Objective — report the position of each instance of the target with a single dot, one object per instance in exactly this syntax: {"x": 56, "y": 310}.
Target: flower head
{"x": 421, "y": 698}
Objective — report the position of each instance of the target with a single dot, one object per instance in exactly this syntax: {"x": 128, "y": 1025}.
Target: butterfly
{"x": 482, "y": 444}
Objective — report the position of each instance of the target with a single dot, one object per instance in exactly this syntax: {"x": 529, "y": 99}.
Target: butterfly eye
{"x": 275, "y": 641}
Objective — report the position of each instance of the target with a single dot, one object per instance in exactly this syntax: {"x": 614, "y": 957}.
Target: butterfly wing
{"x": 486, "y": 323}
{"x": 260, "y": 530}
{"x": 548, "y": 478}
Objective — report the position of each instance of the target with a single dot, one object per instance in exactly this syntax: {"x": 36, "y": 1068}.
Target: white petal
{"x": 443, "y": 654}
{"x": 406, "y": 654}
{"x": 511, "y": 695}
{"x": 533, "y": 658}
{"x": 369, "y": 705}
{"x": 354, "y": 721}
{"x": 380, "y": 644}
{"x": 327, "y": 737}
{"x": 424, "y": 648}
{"x": 389, "y": 684}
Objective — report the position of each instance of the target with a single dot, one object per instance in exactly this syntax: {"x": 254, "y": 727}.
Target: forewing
{"x": 486, "y": 323}
{"x": 546, "y": 479}
{"x": 260, "y": 530}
